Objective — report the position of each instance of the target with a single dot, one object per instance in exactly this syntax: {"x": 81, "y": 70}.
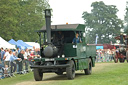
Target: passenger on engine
{"x": 77, "y": 39}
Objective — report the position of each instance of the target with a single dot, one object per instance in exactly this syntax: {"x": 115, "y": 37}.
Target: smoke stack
{"x": 48, "y": 24}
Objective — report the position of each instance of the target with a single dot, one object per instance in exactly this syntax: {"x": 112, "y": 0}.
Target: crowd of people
{"x": 105, "y": 55}
{"x": 16, "y": 61}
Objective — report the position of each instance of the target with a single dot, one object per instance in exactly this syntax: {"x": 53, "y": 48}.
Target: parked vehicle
{"x": 122, "y": 49}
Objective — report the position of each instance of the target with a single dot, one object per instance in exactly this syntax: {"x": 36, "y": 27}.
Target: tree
{"x": 102, "y": 21}
{"x": 126, "y": 20}
{"x": 21, "y": 18}
{"x": 8, "y": 13}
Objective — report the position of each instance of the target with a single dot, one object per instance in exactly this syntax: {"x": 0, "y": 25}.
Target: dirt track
{"x": 52, "y": 77}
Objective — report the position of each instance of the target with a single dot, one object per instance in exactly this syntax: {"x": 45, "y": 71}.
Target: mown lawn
{"x": 103, "y": 74}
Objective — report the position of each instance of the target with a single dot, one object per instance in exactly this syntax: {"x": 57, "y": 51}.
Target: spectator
{"x": 37, "y": 53}
{"x": 12, "y": 59}
{"x": 2, "y": 55}
{"x": 17, "y": 52}
{"x": 20, "y": 63}
{"x": 31, "y": 57}
{"x": 26, "y": 55}
{"x": 7, "y": 59}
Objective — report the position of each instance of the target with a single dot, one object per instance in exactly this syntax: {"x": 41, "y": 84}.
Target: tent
{"x": 5, "y": 44}
{"x": 13, "y": 42}
{"x": 24, "y": 44}
{"x": 37, "y": 45}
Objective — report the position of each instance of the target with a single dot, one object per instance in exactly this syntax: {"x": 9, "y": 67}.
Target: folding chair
{"x": 1, "y": 73}
{"x": 7, "y": 70}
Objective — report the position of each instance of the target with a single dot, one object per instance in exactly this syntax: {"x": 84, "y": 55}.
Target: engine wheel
{"x": 121, "y": 60}
{"x": 88, "y": 71}
{"x": 38, "y": 75}
{"x": 116, "y": 60}
{"x": 70, "y": 70}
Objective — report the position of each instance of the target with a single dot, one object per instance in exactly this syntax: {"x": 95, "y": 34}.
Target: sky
{"x": 70, "y": 11}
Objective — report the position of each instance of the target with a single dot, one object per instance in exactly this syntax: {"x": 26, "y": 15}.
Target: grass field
{"x": 103, "y": 74}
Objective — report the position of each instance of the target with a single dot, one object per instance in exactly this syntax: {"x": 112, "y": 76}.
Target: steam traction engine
{"x": 121, "y": 50}
{"x": 59, "y": 54}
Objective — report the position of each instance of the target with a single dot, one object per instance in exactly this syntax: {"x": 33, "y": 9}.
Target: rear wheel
{"x": 116, "y": 60}
{"x": 38, "y": 75}
{"x": 88, "y": 71}
{"x": 70, "y": 70}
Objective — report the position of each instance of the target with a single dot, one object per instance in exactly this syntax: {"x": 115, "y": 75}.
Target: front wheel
{"x": 38, "y": 75}
{"x": 70, "y": 70}
{"x": 88, "y": 71}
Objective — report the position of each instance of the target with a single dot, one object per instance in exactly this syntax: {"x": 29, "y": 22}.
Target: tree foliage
{"x": 102, "y": 21}
{"x": 21, "y": 18}
{"x": 126, "y": 19}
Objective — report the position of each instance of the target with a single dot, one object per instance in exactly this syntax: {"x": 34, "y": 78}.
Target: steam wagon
{"x": 59, "y": 54}
{"x": 120, "y": 53}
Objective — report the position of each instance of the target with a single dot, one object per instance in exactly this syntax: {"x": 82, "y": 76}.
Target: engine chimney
{"x": 48, "y": 24}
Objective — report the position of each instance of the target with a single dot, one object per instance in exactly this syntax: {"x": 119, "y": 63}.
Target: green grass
{"x": 17, "y": 79}
{"x": 103, "y": 74}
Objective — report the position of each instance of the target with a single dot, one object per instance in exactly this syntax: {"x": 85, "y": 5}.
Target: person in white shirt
{"x": 26, "y": 55}
{"x": 6, "y": 58}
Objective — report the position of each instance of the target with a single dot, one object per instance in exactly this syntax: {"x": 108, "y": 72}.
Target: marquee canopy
{"x": 5, "y": 44}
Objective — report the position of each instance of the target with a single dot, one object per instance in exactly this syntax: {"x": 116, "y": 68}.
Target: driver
{"x": 58, "y": 38}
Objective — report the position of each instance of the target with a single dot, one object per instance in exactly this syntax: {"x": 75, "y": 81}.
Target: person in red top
{"x": 32, "y": 55}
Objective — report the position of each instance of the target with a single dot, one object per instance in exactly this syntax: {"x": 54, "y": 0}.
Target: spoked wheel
{"x": 70, "y": 70}
{"x": 116, "y": 60}
{"x": 38, "y": 75}
{"x": 88, "y": 71}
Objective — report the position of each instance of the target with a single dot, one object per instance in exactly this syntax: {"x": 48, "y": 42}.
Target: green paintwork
{"x": 69, "y": 51}
{"x": 69, "y": 27}
{"x": 79, "y": 53}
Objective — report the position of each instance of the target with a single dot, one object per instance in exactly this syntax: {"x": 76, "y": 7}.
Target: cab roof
{"x": 65, "y": 27}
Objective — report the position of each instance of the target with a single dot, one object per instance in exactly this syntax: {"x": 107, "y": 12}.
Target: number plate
{"x": 50, "y": 59}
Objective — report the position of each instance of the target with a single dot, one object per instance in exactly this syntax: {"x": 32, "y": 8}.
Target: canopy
{"x": 5, "y": 44}
{"x": 13, "y": 42}
{"x": 65, "y": 27}
{"x": 24, "y": 44}
{"x": 36, "y": 45}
